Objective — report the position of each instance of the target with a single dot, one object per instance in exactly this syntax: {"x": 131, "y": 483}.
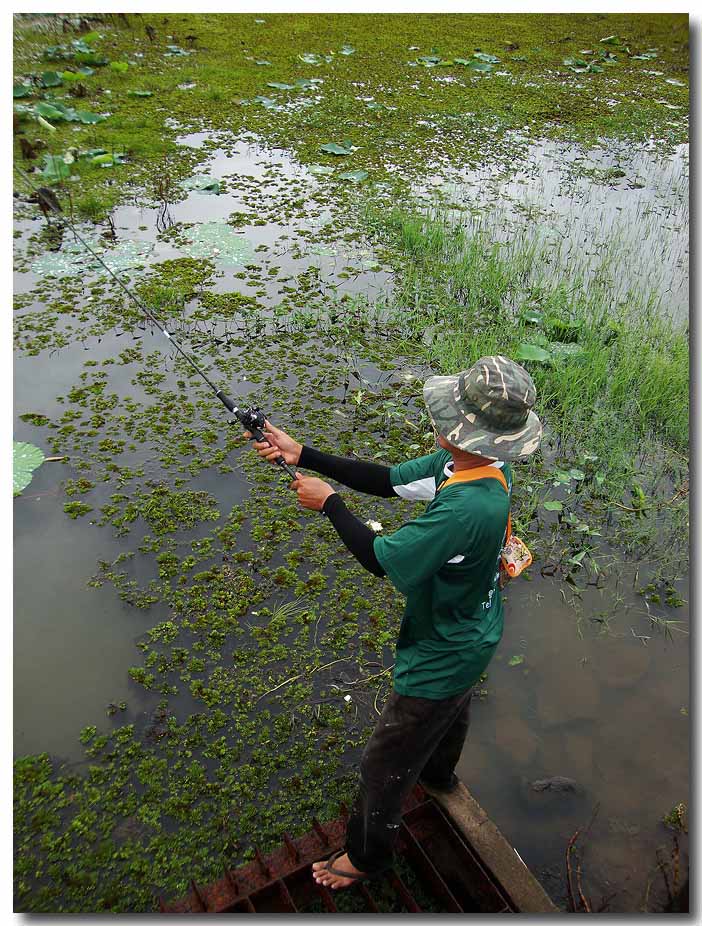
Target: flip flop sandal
{"x": 343, "y": 874}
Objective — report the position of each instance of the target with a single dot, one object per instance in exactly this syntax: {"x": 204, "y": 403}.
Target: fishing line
{"x": 253, "y": 419}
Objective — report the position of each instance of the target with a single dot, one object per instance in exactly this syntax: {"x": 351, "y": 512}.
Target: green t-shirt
{"x": 447, "y": 564}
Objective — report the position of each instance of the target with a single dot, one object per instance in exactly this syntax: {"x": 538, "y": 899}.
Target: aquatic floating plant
{"x": 51, "y": 79}
{"x": 333, "y": 148}
{"x": 354, "y": 175}
{"x": 55, "y": 168}
{"x": 220, "y": 242}
{"x": 266, "y": 102}
{"x": 316, "y": 60}
{"x": 72, "y": 258}
{"x": 25, "y": 459}
{"x": 202, "y": 184}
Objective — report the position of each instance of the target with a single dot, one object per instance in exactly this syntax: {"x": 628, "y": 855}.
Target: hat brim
{"x": 468, "y": 432}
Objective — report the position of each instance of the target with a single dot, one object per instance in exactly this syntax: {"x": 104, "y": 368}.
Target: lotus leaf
{"x": 482, "y": 66}
{"x": 320, "y": 169}
{"x": 55, "y": 168}
{"x": 108, "y": 160}
{"x": 88, "y": 118}
{"x": 279, "y": 86}
{"x": 54, "y": 111}
{"x": 25, "y": 459}
{"x": 71, "y": 75}
{"x": 553, "y": 506}
{"x": 516, "y": 660}
{"x": 610, "y": 40}
{"x": 316, "y": 60}
{"x": 266, "y": 102}
{"x": 333, "y": 148}
{"x": 121, "y": 66}
{"x": 140, "y": 93}
{"x": 347, "y": 50}
{"x": 355, "y": 175}
{"x": 219, "y": 242}
{"x": 532, "y": 352}
{"x": 202, "y": 184}
{"x": 489, "y": 59}
{"x": 57, "y": 53}
{"x": 72, "y": 258}
{"x": 264, "y": 63}
{"x": 51, "y": 79}
{"x": 95, "y": 61}
{"x": 175, "y": 51}
{"x": 22, "y": 90}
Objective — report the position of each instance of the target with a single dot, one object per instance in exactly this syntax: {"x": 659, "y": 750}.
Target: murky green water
{"x": 601, "y": 694}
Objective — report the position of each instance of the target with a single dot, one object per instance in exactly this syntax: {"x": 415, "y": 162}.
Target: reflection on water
{"x": 609, "y": 712}
{"x": 615, "y": 214}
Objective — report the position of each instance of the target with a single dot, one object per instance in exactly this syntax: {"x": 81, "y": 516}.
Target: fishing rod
{"x": 253, "y": 419}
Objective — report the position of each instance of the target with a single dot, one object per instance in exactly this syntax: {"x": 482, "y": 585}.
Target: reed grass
{"x": 629, "y": 379}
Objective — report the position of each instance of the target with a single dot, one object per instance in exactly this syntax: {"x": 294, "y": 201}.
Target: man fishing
{"x": 446, "y": 563}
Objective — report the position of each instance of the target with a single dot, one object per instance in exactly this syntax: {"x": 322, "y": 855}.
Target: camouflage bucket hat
{"x": 486, "y": 409}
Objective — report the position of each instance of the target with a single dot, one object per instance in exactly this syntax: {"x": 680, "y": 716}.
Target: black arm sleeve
{"x": 371, "y": 478}
{"x": 357, "y": 537}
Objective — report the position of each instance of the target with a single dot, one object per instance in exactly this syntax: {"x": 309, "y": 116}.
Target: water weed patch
{"x": 290, "y": 194}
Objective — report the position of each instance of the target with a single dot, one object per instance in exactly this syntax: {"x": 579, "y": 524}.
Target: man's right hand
{"x": 278, "y": 444}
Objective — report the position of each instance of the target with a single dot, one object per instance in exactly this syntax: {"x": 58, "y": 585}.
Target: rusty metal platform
{"x": 438, "y": 863}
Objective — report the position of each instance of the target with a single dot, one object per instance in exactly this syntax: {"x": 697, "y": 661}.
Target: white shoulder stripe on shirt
{"x": 425, "y": 489}
{"x": 419, "y": 490}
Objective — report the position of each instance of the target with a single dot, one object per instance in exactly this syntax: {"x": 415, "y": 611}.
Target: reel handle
{"x": 252, "y": 417}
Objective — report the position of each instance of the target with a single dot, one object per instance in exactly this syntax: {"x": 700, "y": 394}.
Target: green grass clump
{"x": 619, "y": 372}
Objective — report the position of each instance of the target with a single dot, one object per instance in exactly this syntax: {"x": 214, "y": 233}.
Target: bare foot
{"x": 322, "y": 876}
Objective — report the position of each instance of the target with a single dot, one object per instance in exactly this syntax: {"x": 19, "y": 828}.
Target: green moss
{"x": 76, "y": 509}
{"x": 225, "y": 305}
{"x": 420, "y": 117}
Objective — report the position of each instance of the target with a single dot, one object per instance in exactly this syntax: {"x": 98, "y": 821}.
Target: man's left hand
{"x": 311, "y": 492}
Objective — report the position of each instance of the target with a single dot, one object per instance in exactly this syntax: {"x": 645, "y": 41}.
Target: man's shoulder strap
{"x": 478, "y": 472}
{"x": 482, "y": 472}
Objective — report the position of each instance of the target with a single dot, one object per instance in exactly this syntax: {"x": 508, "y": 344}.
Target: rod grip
{"x": 225, "y": 400}
{"x": 257, "y": 434}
